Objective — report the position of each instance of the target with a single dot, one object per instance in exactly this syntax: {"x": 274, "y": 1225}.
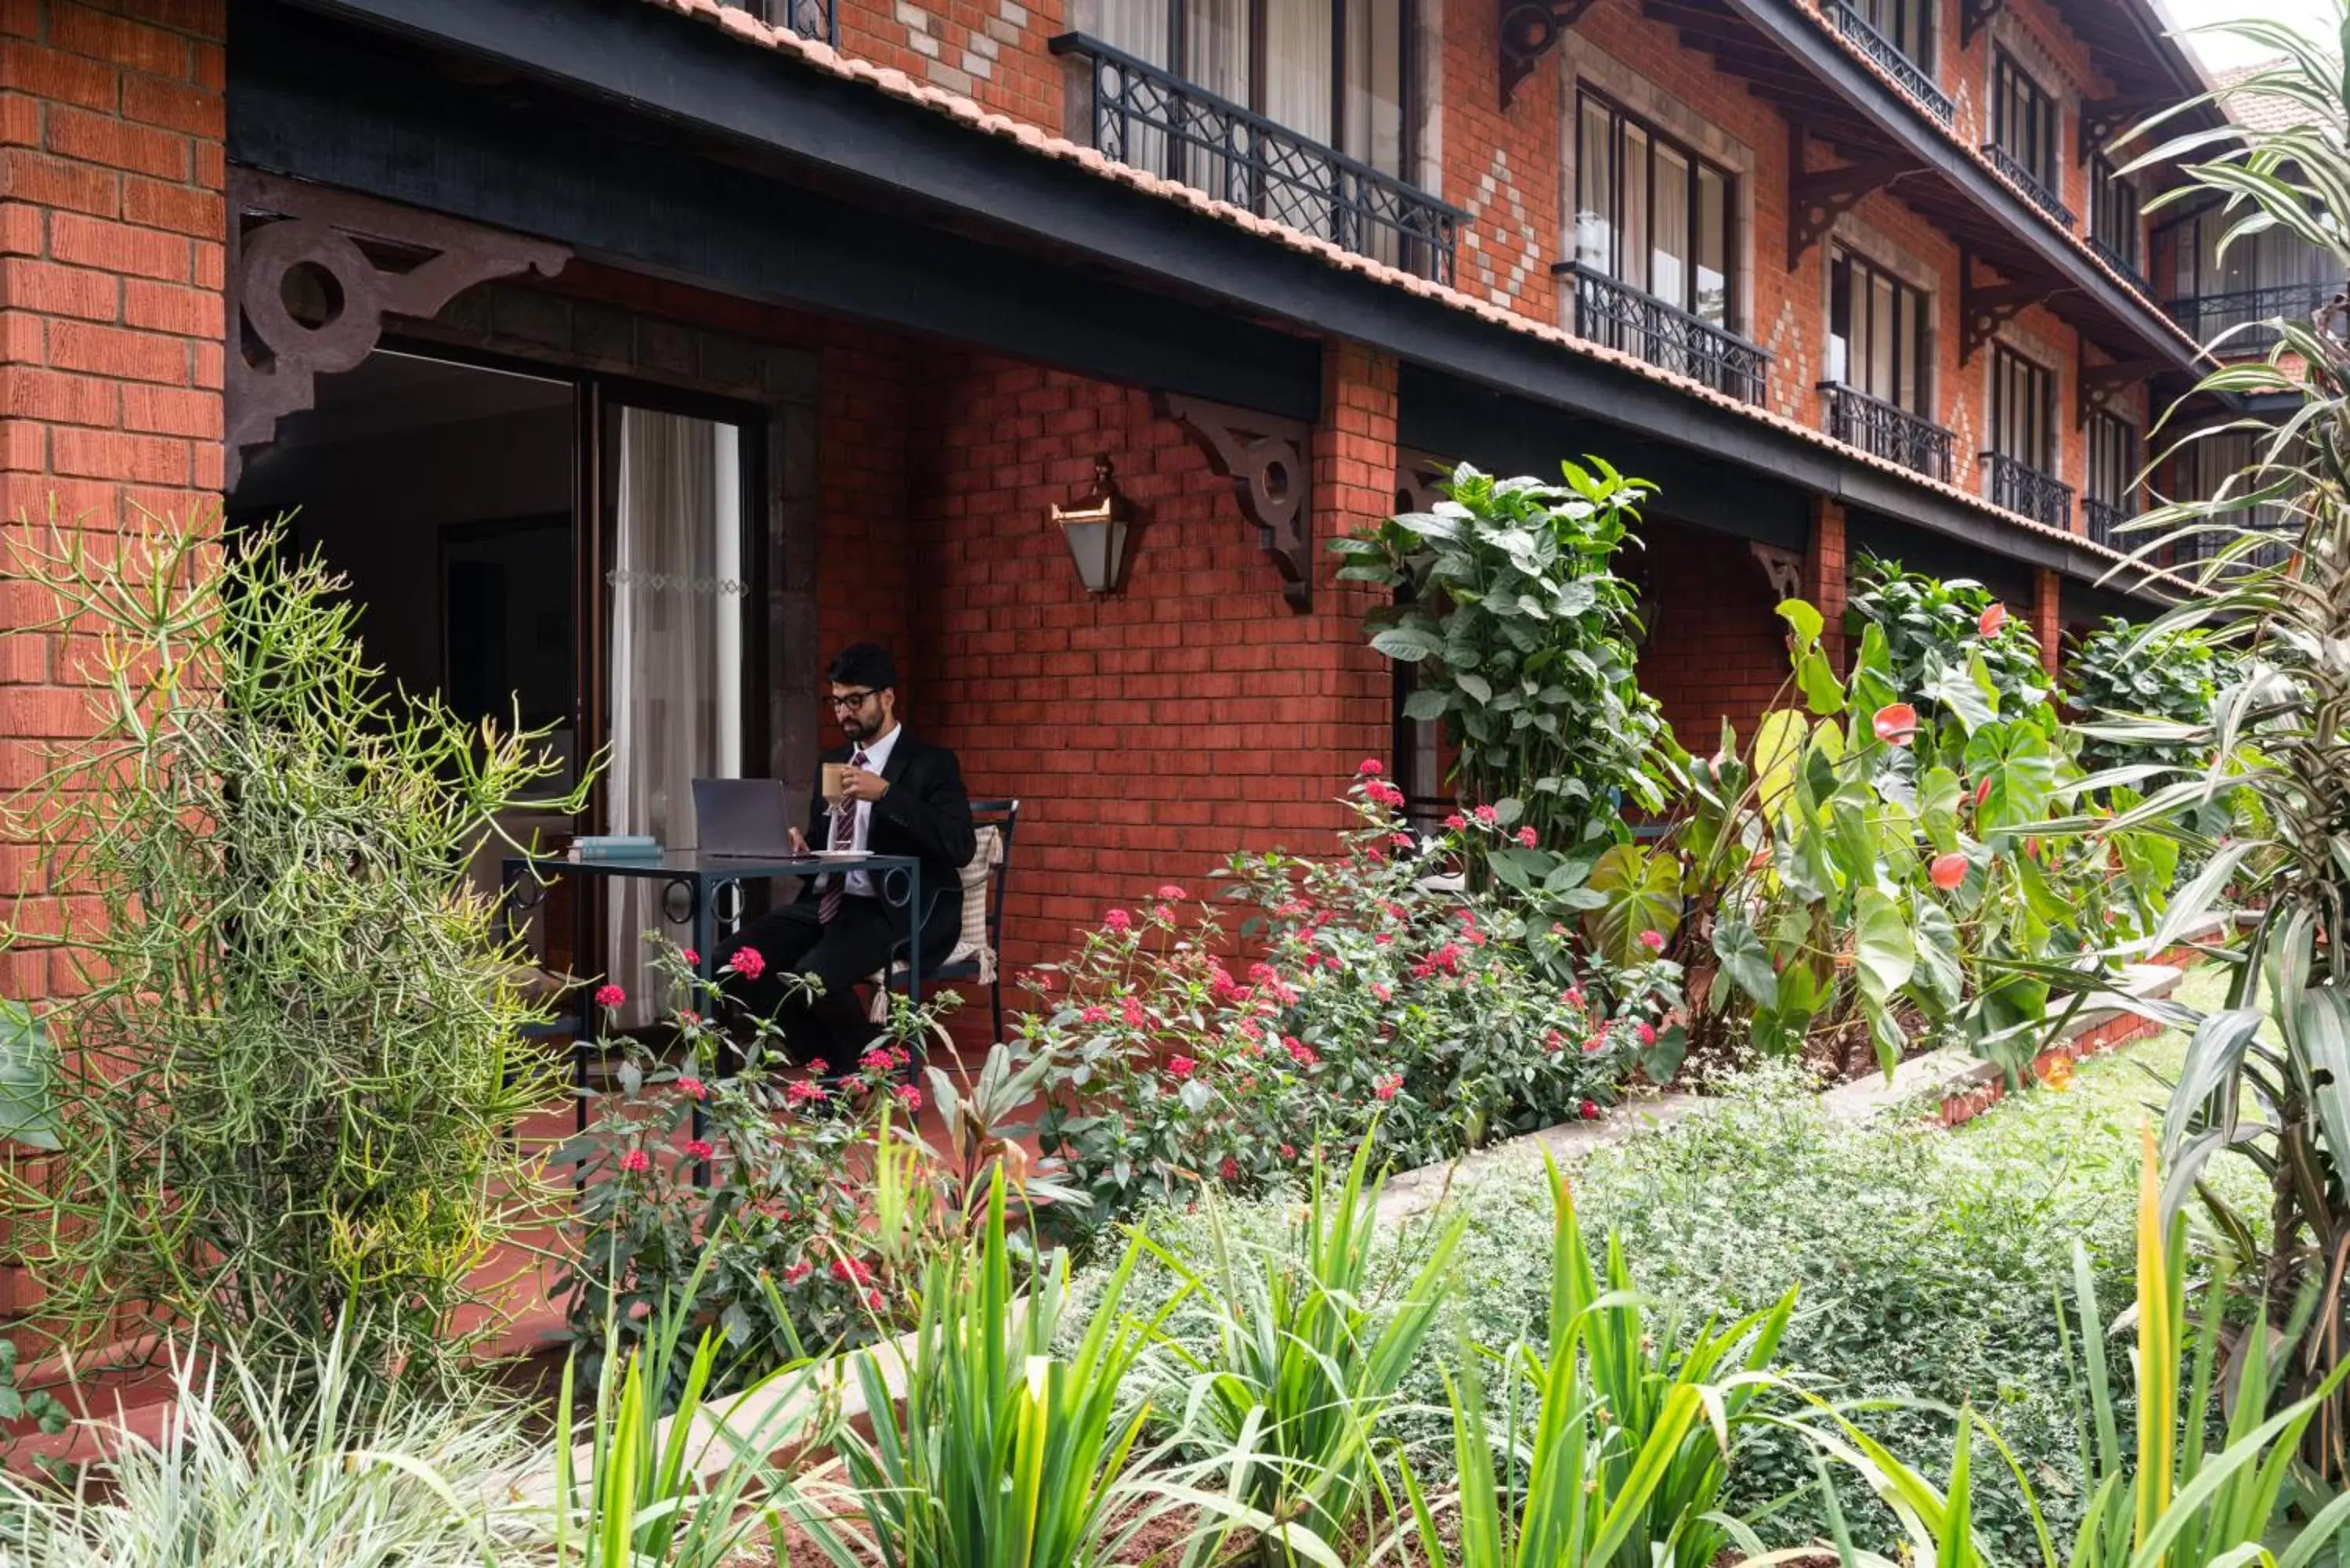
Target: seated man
{"x": 898, "y": 796}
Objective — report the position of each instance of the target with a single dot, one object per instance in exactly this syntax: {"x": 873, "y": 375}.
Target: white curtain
{"x": 1216, "y": 56}
{"x": 678, "y": 593}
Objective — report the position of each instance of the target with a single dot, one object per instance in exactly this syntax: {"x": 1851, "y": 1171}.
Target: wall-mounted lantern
{"x": 1096, "y": 527}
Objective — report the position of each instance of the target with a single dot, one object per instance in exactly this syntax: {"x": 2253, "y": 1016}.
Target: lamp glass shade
{"x": 1097, "y": 546}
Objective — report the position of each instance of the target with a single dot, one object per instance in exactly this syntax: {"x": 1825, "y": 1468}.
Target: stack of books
{"x": 613, "y": 846}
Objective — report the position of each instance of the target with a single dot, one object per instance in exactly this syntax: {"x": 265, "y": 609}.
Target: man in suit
{"x": 898, "y": 795}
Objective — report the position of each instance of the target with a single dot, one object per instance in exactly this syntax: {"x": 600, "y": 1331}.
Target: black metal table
{"x": 699, "y": 882}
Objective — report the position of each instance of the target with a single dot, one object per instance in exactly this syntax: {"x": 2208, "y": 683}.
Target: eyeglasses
{"x": 843, "y": 700}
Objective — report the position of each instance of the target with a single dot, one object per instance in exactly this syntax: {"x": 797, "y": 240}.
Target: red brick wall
{"x": 111, "y": 254}
{"x": 1718, "y": 649}
{"x": 1148, "y": 733}
{"x": 992, "y": 51}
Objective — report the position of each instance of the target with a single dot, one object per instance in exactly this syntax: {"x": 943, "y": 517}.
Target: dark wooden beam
{"x": 1974, "y": 15}
{"x": 2096, "y": 386}
{"x": 2103, "y": 119}
{"x": 1816, "y": 198}
{"x": 1984, "y": 308}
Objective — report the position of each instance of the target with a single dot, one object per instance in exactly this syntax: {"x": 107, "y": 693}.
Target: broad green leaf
{"x": 1805, "y": 620}
{"x": 1823, "y": 692}
{"x": 1426, "y": 702}
{"x": 1407, "y": 644}
{"x": 1643, "y": 893}
{"x": 1885, "y": 954}
{"x": 1745, "y": 960}
{"x": 1778, "y": 750}
{"x": 1939, "y": 973}
{"x": 1938, "y": 808}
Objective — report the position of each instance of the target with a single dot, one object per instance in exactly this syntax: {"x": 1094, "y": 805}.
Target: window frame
{"x": 1408, "y": 106}
{"x": 2105, "y": 205}
{"x": 1924, "y": 10}
{"x": 2003, "y": 359}
{"x": 2112, "y": 428}
{"x": 1859, "y": 263}
{"x": 1620, "y": 117}
{"x": 2043, "y": 107}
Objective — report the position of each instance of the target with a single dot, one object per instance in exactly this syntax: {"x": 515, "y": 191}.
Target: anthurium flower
{"x": 1993, "y": 617}
{"x": 1948, "y": 871}
{"x": 1896, "y": 724}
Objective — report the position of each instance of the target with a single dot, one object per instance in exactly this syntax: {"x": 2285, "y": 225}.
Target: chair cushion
{"x": 970, "y": 942}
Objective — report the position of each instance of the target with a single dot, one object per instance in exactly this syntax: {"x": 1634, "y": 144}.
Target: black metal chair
{"x": 1003, "y": 817}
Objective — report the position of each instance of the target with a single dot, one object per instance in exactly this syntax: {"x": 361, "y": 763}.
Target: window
{"x": 1331, "y": 70}
{"x": 2197, "y": 472}
{"x": 2023, "y": 121}
{"x": 1906, "y": 24}
{"x": 2022, "y": 410}
{"x": 2112, "y": 461}
{"x": 2113, "y": 213}
{"x": 1650, "y": 213}
{"x": 1879, "y": 332}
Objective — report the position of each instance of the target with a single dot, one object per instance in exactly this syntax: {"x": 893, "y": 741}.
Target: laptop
{"x": 747, "y": 818}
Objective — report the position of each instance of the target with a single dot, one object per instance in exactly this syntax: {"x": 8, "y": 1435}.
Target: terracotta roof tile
{"x": 898, "y": 83}
{"x": 2257, "y": 110}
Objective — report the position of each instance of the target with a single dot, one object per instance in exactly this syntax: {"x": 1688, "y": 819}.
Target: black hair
{"x": 867, "y": 664}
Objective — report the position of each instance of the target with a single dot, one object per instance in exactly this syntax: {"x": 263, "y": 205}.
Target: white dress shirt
{"x": 877, "y": 757}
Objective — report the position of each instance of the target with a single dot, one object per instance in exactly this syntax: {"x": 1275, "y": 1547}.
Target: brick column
{"x": 1825, "y": 575}
{"x": 112, "y": 256}
{"x": 2048, "y": 616}
{"x": 1354, "y": 487}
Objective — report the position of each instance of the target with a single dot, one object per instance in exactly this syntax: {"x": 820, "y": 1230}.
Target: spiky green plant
{"x": 287, "y": 1093}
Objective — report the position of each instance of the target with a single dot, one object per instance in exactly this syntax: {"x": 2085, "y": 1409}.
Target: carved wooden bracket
{"x": 2095, "y": 386}
{"x": 1531, "y": 29}
{"x": 350, "y": 261}
{"x": 1269, "y": 461}
{"x": 1984, "y": 308}
{"x": 1816, "y": 198}
{"x": 1782, "y": 569}
{"x": 1974, "y": 15}
{"x": 1418, "y": 473}
{"x": 2103, "y": 119}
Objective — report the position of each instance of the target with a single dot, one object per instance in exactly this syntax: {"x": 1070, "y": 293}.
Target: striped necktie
{"x": 844, "y": 836}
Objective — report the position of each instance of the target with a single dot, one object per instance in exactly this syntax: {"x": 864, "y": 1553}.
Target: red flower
{"x": 1597, "y": 1042}
{"x": 1172, "y": 893}
{"x": 1229, "y": 1171}
{"x": 872, "y": 1301}
{"x": 1553, "y": 1041}
{"x": 1384, "y": 992}
{"x": 1299, "y": 1051}
{"x": 800, "y": 1091}
{"x": 689, "y": 1019}
{"x": 1646, "y": 1032}
{"x": 1529, "y": 838}
{"x": 699, "y": 1148}
{"x": 909, "y": 1096}
{"x": 1991, "y": 619}
{"x": 636, "y": 1160}
{"x": 1094, "y": 1014}
{"x": 853, "y": 1270}
{"x": 1456, "y": 822}
{"x": 1896, "y": 724}
{"x": 818, "y": 1067}
{"x": 692, "y": 959}
{"x": 1485, "y": 813}
{"x": 1572, "y": 996}
{"x": 1588, "y": 1110}
{"x": 1371, "y": 768}
{"x": 1401, "y": 840}
{"x": 1948, "y": 871}
{"x": 794, "y": 1273}
{"x": 1118, "y": 921}
{"x": 1131, "y": 1009}
{"x": 1653, "y": 940}
{"x": 610, "y": 996}
{"x": 747, "y": 963}
{"x": 1182, "y": 1066}
{"x": 692, "y": 1088}
{"x": 1386, "y": 1088}
{"x": 1288, "y": 1151}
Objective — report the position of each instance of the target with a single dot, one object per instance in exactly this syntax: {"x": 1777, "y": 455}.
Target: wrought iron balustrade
{"x": 808, "y": 18}
{"x": 2021, "y": 488}
{"x": 1887, "y": 430}
{"x": 1666, "y": 335}
{"x": 2125, "y": 264}
{"x": 2256, "y": 311}
{"x": 1148, "y": 117}
{"x": 2105, "y": 520}
{"x": 2044, "y": 199}
{"x": 1888, "y": 54}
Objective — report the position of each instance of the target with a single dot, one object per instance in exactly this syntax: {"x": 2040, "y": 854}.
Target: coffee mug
{"x": 832, "y": 775}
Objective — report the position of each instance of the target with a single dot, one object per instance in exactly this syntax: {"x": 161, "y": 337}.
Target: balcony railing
{"x": 1152, "y": 118}
{"x": 2021, "y": 488}
{"x": 2105, "y": 520}
{"x": 2255, "y": 310}
{"x": 1621, "y": 316}
{"x": 1888, "y": 54}
{"x": 2124, "y": 264}
{"x": 808, "y": 18}
{"x": 2044, "y": 199}
{"x": 1887, "y": 430}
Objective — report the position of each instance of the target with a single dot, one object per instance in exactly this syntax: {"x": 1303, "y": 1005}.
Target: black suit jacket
{"x": 925, "y": 814}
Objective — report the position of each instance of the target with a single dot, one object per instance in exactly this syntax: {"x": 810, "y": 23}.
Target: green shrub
{"x": 287, "y": 1095}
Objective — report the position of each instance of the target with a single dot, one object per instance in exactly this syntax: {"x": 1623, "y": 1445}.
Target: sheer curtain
{"x": 1216, "y": 56}
{"x": 678, "y": 592}
{"x": 1140, "y": 28}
